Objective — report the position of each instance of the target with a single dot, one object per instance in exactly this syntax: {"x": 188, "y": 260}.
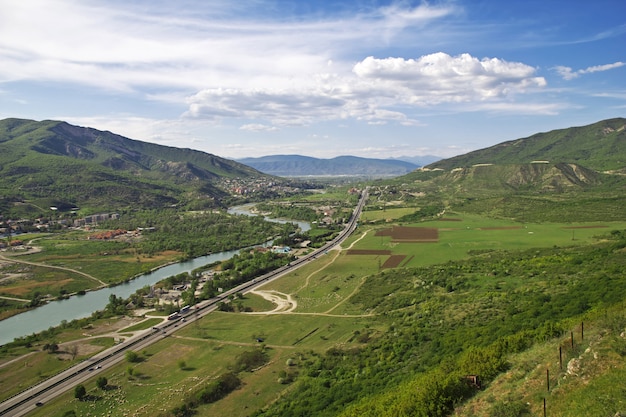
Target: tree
{"x": 132, "y": 356}
{"x": 102, "y": 382}
{"x": 80, "y": 392}
{"x": 73, "y": 351}
{"x": 51, "y": 347}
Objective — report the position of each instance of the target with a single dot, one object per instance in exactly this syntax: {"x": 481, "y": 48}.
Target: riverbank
{"x": 82, "y": 303}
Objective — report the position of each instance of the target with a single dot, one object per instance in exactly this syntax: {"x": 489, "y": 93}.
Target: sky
{"x": 369, "y": 78}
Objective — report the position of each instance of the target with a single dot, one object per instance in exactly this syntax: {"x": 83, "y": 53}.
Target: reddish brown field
{"x": 411, "y": 234}
{"x": 394, "y": 261}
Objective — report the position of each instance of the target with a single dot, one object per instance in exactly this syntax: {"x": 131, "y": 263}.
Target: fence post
{"x": 582, "y": 330}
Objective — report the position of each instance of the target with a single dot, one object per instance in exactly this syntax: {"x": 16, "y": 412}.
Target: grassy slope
{"x": 590, "y": 381}
{"x": 599, "y": 146}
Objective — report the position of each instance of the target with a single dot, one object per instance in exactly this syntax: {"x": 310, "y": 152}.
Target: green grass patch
{"x": 388, "y": 214}
{"x": 291, "y": 331}
{"x": 143, "y": 325}
{"x": 110, "y": 261}
{"x": 43, "y": 281}
{"x": 257, "y": 303}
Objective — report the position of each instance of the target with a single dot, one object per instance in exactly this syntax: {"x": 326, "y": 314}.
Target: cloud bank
{"x": 373, "y": 91}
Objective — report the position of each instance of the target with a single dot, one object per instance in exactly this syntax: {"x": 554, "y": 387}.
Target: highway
{"x": 38, "y": 395}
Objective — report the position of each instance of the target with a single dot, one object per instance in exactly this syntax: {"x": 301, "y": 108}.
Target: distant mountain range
{"x": 53, "y": 163}
{"x": 306, "y": 166}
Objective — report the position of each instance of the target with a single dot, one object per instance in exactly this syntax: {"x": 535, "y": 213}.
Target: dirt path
{"x": 348, "y": 297}
{"x": 284, "y": 302}
{"x": 11, "y": 259}
{"x": 21, "y": 300}
{"x": 337, "y": 249}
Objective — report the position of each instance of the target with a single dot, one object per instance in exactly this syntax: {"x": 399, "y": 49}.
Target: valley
{"x": 474, "y": 273}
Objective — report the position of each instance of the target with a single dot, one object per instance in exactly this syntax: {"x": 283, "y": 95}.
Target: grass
{"x": 109, "y": 261}
{"x": 39, "y": 365}
{"x": 388, "y": 214}
{"x": 208, "y": 349}
{"x": 288, "y": 331}
{"x": 477, "y": 233}
{"x": 142, "y": 325}
{"x": 257, "y": 303}
{"x": 44, "y": 280}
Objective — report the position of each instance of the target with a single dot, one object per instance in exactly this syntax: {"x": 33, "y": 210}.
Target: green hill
{"x": 53, "y": 163}
{"x": 600, "y": 146}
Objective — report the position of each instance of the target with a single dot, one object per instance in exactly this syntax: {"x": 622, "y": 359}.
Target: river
{"x": 76, "y": 307}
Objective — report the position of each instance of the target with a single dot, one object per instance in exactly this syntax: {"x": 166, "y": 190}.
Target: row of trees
{"x": 196, "y": 234}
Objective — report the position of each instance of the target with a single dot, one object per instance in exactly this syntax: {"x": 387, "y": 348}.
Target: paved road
{"x": 47, "y": 390}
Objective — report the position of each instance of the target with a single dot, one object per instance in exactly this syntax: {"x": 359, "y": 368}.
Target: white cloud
{"x": 204, "y": 45}
{"x": 568, "y": 74}
{"x": 258, "y": 127}
{"x": 377, "y": 91}
{"x": 439, "y": 77}
{"x": 221, "y": 64}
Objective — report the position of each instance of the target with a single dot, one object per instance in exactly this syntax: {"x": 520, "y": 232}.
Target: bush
{"x": 132, "y": 356}
{"x": 102, "y": 382}
{"x": 80, "y": 392}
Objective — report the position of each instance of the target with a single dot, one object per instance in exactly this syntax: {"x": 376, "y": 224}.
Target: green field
{"x": 472, "y": 233}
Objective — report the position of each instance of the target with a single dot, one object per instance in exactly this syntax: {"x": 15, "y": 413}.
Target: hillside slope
{"x": 600, "y": 146}
{"x": 69, "y": 165}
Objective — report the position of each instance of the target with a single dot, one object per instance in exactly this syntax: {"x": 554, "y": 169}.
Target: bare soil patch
{"x": 394, "y": 261}
{"x": 411, "y": 234}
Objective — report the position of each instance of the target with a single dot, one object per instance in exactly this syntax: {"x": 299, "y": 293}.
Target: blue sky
{"x": 368, "y": 78}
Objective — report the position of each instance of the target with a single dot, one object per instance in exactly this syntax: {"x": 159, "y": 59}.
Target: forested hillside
{"x": 52, "y": 163}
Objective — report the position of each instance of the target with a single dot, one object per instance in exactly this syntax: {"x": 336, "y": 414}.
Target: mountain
{"x": 55, "y": 163}
{"x": 421, "y": 161}
{"x": 589, "y": 158}
{"x": 302, "y": 166}
{"x": 600, "y": 146}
